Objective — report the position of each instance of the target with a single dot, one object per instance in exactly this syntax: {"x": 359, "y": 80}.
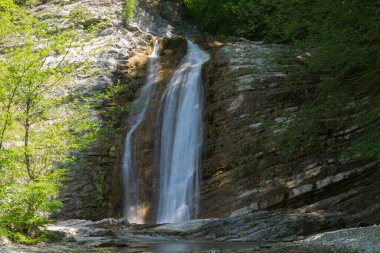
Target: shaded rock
{"x": 279, "y": 225}
{"x": 123, "y": 221}
{"x": 101, "y": 233}
{"x": 363, "y": 224}
{"x": 69, "y": 239}
{"x": 131, "y": 28}
{"x": 113, "y": 243}
{"x": 109, "y": 222}
{"x": 249, "y": 104}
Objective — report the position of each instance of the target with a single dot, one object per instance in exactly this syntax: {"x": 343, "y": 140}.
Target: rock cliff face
{"x": 119, "y": 54}
{"x": 94, "y": 189}
{"x": 247, "y": 93}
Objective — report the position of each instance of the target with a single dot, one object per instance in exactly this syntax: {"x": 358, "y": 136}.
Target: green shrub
{"x": 245, "y": 169}
{"x": 25, "y": 2}
{"x": 252, "y": 224}
{"x": 25, "y": 205}
{"x": 42, "y": 236}
{"x": 128, "y": 10}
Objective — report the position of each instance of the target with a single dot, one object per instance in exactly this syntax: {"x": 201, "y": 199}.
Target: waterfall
{"x": 133, "y": 209}
{"x": 177, "y": 145}
{"x": 180, "y": 140}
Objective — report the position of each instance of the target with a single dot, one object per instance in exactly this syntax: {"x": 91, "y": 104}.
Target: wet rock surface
{"x": 279, "y": 225}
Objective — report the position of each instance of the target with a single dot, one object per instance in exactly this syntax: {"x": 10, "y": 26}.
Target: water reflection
{"x": 166, "y": 247}
{"x": 220, "y": 247}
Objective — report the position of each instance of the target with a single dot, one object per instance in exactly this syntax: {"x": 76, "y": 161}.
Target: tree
{"x": 39, "y": 127}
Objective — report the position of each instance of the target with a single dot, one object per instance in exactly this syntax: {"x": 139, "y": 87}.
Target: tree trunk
{"x": 3, "y": 129}
{"x": 8, "y": 111}
{"x": 26, "y": 142}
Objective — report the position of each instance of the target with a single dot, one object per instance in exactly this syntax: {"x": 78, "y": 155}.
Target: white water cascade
{"x": 133, "y": 209}
{"x": 180, "y": 140}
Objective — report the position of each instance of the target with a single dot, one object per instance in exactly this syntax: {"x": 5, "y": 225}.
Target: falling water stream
{"x": 178, "y": 141}
{"x": 181, "y": 140}
{"x": 133, "y": 209}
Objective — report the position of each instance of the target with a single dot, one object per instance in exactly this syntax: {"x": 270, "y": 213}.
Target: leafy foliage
{"x": 39, "y": 127}
{"x": 25, "y": 2}
{"x": 129, "y": 9}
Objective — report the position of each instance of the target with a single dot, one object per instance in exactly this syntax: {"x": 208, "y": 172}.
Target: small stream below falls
{"x": 167, "y": 246}
{"x": 200, "y": 246}
{"x": 159, "y": 243}
{"x": 219, "y": 247}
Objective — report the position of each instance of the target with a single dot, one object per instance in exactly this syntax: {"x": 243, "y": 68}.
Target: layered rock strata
{"x": 247, "y": 94}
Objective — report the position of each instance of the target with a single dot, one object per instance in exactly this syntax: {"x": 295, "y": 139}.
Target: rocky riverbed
{"x": 116, "y": 235}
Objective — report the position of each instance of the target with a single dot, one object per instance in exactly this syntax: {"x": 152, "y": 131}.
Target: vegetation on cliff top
{"x": 129, "y": 9}
{"x": 338, "y": 47}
